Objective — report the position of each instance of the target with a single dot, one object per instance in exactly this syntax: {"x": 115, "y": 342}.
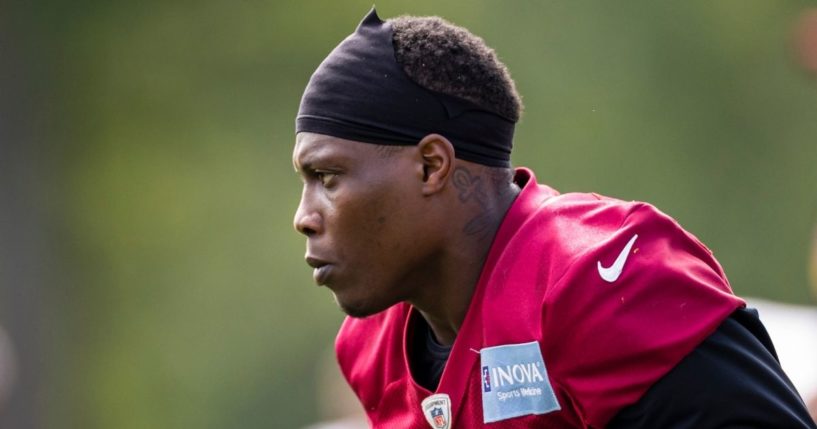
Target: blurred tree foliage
{"x": 183, "y": 297}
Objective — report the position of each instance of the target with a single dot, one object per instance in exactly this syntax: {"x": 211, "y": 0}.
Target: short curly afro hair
{"x": 449, "y": 59}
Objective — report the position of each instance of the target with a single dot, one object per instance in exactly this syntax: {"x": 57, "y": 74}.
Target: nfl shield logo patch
{"x": 437, "y": 410}
{"x": 439, "y": 418}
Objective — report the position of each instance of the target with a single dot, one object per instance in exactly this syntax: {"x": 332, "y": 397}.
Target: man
{"x": 478, "y": 297}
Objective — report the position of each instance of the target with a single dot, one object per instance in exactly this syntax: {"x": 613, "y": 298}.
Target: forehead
{"x": 311, "y": 148}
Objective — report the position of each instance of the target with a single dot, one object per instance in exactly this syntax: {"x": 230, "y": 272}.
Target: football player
{"x": 479, "y": 297}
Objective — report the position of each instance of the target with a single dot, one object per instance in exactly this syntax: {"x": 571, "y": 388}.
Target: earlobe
{"x": 438, "y": 158}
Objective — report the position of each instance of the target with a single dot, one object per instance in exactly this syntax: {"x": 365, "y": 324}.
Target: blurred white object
{"x": 793, "y": 329}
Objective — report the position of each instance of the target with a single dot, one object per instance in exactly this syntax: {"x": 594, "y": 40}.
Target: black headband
{"x": 360, "y": 92}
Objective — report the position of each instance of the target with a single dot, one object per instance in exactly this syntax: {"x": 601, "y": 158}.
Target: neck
{"x": 444, "y": 298}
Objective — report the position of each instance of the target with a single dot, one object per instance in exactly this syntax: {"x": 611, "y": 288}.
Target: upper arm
{"x": 732, "y": 379}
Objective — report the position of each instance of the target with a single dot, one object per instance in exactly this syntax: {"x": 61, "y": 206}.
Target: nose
{"x": 307, "y": 220}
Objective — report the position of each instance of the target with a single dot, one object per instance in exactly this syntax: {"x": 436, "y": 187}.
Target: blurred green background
{"x": 150, "y": 274}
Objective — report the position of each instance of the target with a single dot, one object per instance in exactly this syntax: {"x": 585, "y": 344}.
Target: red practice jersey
{"x": 583, "y": 303}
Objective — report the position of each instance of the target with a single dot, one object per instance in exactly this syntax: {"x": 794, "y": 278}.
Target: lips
{"x": 321, "y": 271}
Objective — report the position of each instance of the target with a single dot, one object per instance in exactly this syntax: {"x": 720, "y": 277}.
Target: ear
{"x": 437, "y": 155}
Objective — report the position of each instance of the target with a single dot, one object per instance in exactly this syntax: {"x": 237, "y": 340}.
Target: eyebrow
{"x": 323, "y": 158}
{"x": 307, "y": 162}
{"x": 306, "y": 167}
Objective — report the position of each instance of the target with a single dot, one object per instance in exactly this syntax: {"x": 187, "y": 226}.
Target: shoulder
{"x": 629, "y": 294}
{"x": 579, "y": 227}
{"x": 565, "y": 228}
{"x": 589, "y": 218}
{"x": 732, "y": 378}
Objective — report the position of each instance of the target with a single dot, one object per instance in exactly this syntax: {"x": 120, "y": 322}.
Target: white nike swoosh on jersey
{"x": 611, "y": 273}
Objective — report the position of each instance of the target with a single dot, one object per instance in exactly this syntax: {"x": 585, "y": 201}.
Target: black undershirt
{"x": 427, "y": 357}
{"x": 731, "y": 380}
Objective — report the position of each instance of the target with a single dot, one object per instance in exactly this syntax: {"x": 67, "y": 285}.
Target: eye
{"x": 326, "y": 178}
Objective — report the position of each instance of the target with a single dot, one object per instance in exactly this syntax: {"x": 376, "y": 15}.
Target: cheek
{"x": 397, "y": 246}
{"x": 377, "y": 228}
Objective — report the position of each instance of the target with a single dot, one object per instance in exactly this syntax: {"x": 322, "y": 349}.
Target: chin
{"x": 358, "y": 309}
